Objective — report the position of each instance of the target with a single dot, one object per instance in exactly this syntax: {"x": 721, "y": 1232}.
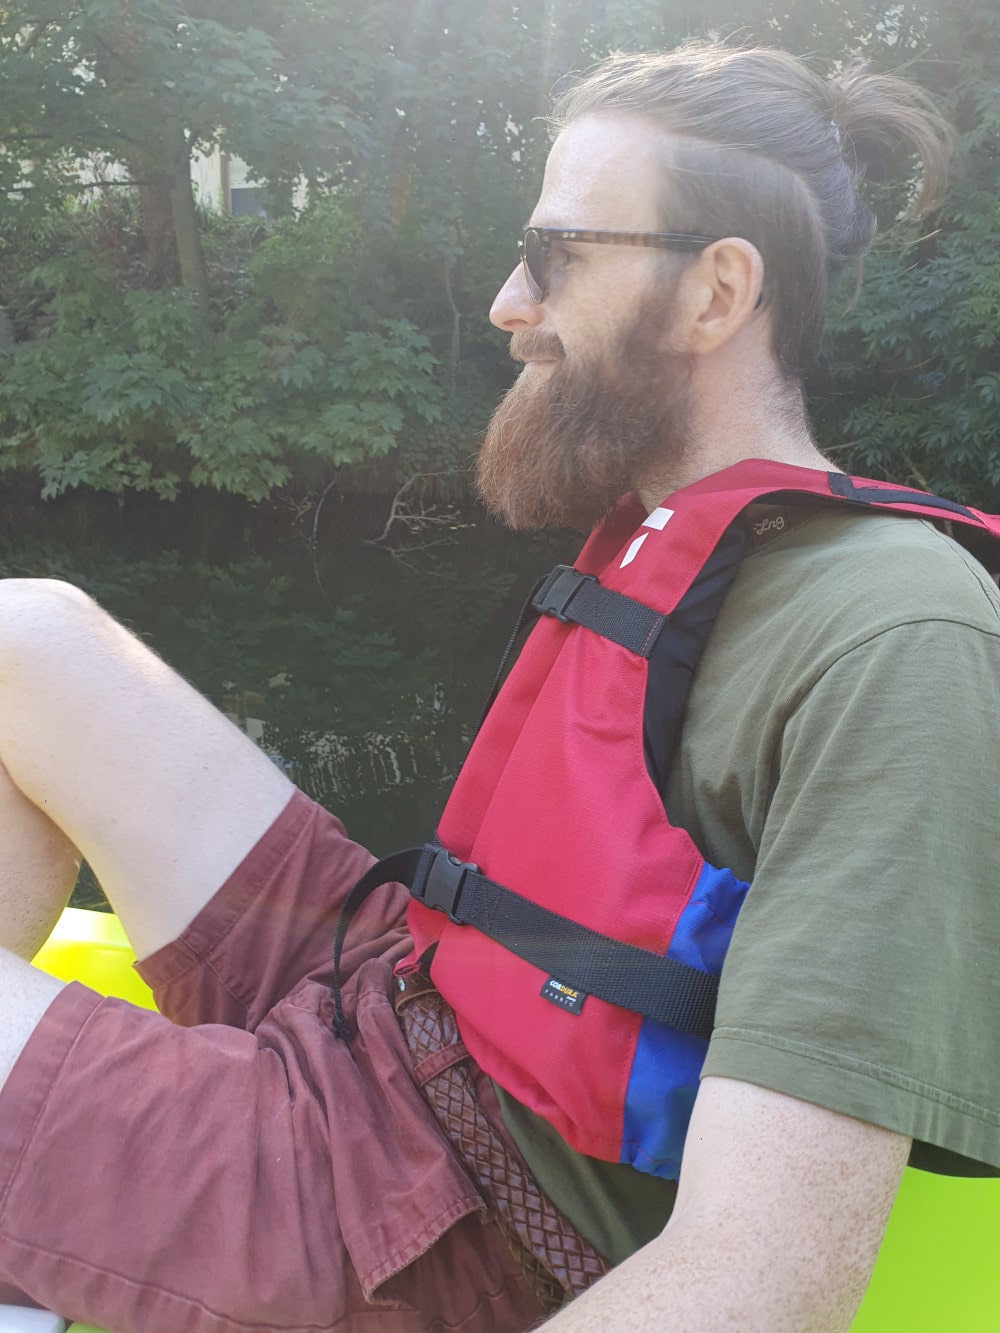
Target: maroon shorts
{"x": 238, "y": 1167}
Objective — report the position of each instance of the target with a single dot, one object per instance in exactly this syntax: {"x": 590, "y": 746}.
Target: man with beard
{"x": 247, "y": 1167}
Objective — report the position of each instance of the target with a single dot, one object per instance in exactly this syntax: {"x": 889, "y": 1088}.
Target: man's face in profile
{"x": 600, "y": 397}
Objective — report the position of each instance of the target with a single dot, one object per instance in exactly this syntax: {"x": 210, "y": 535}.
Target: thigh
{"x": 155, "y": 1178}
{"x": 157, "y": 789}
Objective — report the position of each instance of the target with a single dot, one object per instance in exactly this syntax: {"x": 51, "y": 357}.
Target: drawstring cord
{"x": 527, "y": 615}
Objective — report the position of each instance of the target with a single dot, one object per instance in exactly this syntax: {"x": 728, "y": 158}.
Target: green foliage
{"x": 127, "y": 390}
{"x": 109, "y": 77}
{"x": 97, "y": 396}
{"x": 909, "y": 385}
{"x": 344, "y": 341}
{"x": 332, "y": 338}
{"x": 914, "y": 363}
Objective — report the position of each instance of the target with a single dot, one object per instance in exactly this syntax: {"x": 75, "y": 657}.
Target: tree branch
{"x": 412, "y": 518}
{"x": 81, "y": 188}
{"x": 454, "y": 352}
{"x": 35, "y": 36}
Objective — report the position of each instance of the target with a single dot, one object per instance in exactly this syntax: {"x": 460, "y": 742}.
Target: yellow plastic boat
{"x": 936, "y": 1272}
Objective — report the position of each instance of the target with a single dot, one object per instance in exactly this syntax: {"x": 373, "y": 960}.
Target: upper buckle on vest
{"x": 558, "y": 590}
{"x": 442, "y": 886}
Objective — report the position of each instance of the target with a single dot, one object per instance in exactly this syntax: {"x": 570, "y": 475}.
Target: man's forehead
{"x": 604, "y": 172}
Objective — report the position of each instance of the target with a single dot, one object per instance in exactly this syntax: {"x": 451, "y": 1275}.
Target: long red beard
{"x": 561, "y": 453}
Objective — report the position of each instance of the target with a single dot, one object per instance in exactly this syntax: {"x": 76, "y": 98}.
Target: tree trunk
{"x": 156, "y": 221}
{"x": 162, "y": 162}
{"x": 187, "y": 235}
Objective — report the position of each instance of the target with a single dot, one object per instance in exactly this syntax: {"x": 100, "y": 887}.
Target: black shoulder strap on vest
{"x": 678, "y": 650}
{"x": 846, "y": 487}
{"x": 579, "y": 599}
{"x": 574, "y": 598}
{"x": 594, "y": 964}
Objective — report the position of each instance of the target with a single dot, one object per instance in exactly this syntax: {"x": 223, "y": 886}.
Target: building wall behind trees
{"x": 156, "y": 345}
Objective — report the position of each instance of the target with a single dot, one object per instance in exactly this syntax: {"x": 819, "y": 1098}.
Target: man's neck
{"x": 800, "y": 453}
{"x": 734, "y": 418}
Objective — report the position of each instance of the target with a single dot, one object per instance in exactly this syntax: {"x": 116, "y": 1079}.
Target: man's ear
{"x": 723, "y": 292}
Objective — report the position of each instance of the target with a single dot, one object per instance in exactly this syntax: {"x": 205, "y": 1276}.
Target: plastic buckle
{"x": 442, "y": 888}
{"x": 558, "y": 591}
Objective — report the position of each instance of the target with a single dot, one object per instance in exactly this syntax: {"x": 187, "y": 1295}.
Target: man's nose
{"x": 513, "y": 308}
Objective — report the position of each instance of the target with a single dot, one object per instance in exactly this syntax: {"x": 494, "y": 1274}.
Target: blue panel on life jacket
{"x": 663, "y": 1080}
{"x": 662, "y": 1086}
{"x": 701, "y": 937}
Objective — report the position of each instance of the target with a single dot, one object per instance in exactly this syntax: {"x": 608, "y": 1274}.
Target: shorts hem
{"x": 230, "y": 902}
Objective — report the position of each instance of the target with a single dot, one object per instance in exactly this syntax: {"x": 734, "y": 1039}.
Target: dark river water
{"x": 361, "y": 668}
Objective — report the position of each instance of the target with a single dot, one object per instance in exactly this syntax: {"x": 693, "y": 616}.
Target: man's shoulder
{"x": 873, "y": 571}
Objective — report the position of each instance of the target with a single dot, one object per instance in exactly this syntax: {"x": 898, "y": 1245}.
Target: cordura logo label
{"x": 564, "y": 996}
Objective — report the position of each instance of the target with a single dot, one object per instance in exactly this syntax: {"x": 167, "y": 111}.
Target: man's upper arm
{"x": 862, "y": 973}
{"x": 804, "y": 1192}
{"x": 780, "y": 1213}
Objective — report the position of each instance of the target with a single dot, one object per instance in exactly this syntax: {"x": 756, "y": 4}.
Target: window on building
{"x": 248, "y": 201}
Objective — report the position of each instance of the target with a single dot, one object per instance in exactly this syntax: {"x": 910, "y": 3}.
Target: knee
{"x": 39, "y": 617}
{"x": 45, "y": 598}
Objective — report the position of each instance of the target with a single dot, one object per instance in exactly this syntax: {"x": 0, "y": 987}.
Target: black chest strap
{"x": 594, "y": 964}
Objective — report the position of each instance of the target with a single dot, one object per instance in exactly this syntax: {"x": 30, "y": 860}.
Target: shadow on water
{"x": 360, "y": 669}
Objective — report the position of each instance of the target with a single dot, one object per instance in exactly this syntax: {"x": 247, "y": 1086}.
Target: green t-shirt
{"x": 840, "y": 751}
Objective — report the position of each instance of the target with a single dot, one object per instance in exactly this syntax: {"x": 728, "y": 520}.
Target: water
{"x": 361, "y": 669}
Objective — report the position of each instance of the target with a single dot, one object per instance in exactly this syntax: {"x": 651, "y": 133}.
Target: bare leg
{"x": 38, "y": 866}
{"x": 107, "y": 752}
{"x": 27, "y": 994}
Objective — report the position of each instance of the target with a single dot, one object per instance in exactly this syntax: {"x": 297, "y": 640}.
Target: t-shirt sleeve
{"x": 863, "y": 974}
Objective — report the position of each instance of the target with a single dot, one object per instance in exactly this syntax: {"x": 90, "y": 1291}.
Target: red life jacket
{"x": 557, "y": 847}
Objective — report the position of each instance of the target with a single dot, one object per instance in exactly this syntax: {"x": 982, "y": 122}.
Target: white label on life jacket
{"x": 633, "y": 550}
{"x": 658, "y": 519}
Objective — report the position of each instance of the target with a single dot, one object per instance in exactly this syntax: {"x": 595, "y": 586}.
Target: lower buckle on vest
{"x": 442, "y": 888}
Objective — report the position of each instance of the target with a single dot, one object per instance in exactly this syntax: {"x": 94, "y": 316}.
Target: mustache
{"x": 534, "y": 345}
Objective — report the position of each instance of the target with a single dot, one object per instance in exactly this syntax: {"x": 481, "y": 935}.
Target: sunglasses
{"x": 535, "y": 244}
